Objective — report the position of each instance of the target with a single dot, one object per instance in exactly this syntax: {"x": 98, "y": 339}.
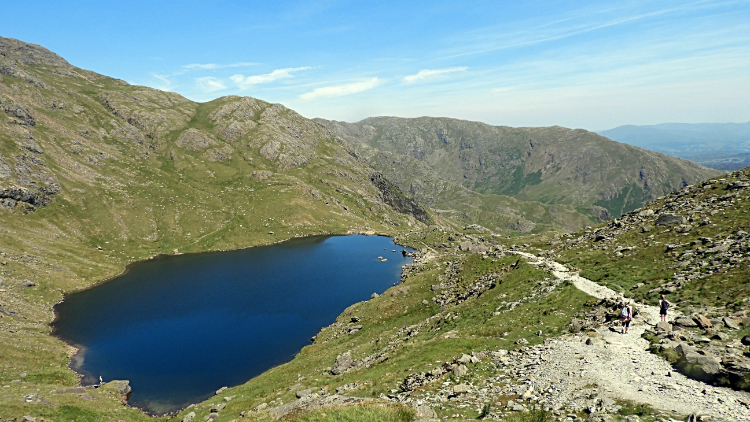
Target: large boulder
{"x": 425, "y": 412}
{"x": 669, "y": 220}
{"x": 685, "y": 322}
{"x": 730, "y": 323}
{"x": 702, "y": 321}
{"x": 342, "y": 364}
{"x": 121, "y": 387}
{"x": 664, "y": 326}
{"x": 702, "y": 365}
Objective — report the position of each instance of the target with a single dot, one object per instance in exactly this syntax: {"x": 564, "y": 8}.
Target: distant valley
{"x": 724, "y": 146}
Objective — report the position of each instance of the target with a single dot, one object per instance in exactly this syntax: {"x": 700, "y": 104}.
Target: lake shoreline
{"x": 82, "y": 374}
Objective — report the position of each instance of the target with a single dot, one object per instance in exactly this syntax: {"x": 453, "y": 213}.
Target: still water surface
{"x": 181, "y": 327}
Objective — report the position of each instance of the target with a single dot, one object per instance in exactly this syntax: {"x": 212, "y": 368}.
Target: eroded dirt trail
{"x": 622, "y": 367}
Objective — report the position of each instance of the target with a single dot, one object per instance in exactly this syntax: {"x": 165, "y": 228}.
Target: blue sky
{"x": 589, "y": 64}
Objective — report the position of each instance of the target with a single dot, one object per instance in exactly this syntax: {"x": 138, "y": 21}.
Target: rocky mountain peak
{"x": 29, "y": 54}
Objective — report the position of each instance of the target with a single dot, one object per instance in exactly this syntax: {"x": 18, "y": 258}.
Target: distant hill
{"x": 572, "y": 169}
{"x": 724, "y": 146}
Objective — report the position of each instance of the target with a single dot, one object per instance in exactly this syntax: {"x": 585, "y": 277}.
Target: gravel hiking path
{"x": 622, "y": 367}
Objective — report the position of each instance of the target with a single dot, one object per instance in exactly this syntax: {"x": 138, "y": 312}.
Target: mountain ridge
{"x": 554, "y": 165}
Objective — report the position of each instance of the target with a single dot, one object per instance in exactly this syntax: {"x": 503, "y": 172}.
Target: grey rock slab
{"x": 304, "y": 393}
{"x": 664, "y": 326}
{"x": 730, "y": 323}
{"x": 122, "y": 386}
{"x": 669, "y": 220}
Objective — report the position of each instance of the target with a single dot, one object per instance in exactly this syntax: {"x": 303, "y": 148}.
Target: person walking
{"x": 626, "y": 315}
{"x": 663, "y": 306}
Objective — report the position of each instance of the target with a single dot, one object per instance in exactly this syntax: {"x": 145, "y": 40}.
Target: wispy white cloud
{"x": 165, "y": 84}
{"x": 341, "y": 90}
{"x": 431, "y": 73}
{"x": 210, "y": 84}
{"x": 244, "y": 82}
{"x": 212, "y": 66}
{"x": 491, "y": 39}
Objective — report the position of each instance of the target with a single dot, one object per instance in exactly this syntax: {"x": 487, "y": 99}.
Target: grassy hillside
{"x": 576, "y": 170}
{"x": 96, "y": 174}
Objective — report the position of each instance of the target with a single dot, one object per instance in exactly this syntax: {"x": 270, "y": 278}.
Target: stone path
{"x": 622, "y": 367}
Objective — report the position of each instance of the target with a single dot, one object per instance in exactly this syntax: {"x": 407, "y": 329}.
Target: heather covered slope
{"x": 554, "y": 165}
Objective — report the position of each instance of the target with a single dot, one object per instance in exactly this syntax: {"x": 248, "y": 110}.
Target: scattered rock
{"x": 600, "y": 417}
{"x": 189, "y": 417}
{"x": 461, "y": 389}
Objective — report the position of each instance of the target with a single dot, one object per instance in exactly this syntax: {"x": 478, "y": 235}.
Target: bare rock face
{"x": 194, "y": 140}
{"x": 30, "y": 54}
{"x": 393, "y": 197}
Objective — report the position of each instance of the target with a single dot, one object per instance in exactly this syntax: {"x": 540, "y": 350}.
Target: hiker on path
{"x": 663, "y": 306}
{"x": 626, "y": 315}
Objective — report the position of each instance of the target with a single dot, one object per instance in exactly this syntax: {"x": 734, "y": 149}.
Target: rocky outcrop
{"x": 10, "y": 196}
{"x": 393, "y": 197}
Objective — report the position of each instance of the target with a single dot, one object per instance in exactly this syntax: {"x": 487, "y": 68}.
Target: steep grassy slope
{"x": 456, "y": 302}
{"x": 554, "y": 165}
{"x": 96, "y": 173}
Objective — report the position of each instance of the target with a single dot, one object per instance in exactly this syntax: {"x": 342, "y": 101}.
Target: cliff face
{"x": 393, "y": 197}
